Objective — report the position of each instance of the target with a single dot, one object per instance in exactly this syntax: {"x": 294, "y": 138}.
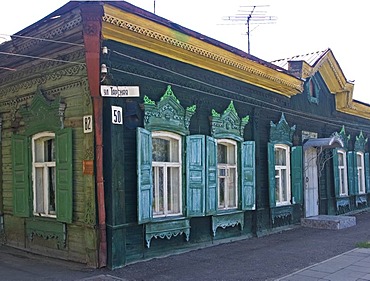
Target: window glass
{"x": 342, "y": 167}
{"x": 360, "y": 172}
{"x": 282, "y": 173}
{"x": 227, "y": 174}
{"x": 166, "y": 150}
{"x": 44, "y": 174}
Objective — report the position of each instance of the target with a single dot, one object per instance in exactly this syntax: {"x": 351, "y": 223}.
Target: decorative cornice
{"x": 14, "y": 103}
{"x": 24, "y": 44}
{"x": 36, "y": 81}
{"x": 43, "y": 67}
{"x": 140, "y": 32}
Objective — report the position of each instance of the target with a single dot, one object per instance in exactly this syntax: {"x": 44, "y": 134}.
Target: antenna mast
{"x": 251, "y": 16}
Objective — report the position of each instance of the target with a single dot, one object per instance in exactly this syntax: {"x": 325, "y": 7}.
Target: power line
{"x": 43, "y": 39}
{"x": 39, "y": 58}
{"x": 267, "y": 105}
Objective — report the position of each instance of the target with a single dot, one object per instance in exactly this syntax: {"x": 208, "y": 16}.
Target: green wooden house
{"x": 125, "y": 137}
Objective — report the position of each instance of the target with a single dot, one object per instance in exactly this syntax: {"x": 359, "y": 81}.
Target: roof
{"x": 155, "y": 18}
{"x": 310, "y": 58}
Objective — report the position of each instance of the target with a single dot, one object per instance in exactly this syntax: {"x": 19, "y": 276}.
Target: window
{"x": 44, "y": 174}
{"x": 342, "y": 172}
{"x": 360, "y": 172}
{"x": 282, "y": 175}
{"x": 312, "y": 89}
{"x": 42, "y": 168}
{"x": 227, "y": 174}
{"x": 166, "y": 165}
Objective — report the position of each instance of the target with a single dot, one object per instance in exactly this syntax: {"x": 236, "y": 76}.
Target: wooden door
{"x": 311, "y": 194}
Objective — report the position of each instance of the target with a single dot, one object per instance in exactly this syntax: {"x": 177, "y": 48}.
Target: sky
{"x": 300, "y": 27}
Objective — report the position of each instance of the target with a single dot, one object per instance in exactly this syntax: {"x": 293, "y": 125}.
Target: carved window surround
{"x": 43, "y": 115}
{"x": 360, "y": 142}
{"x": 281, "y": 132}
{"x": 342, "y": 135}
{"x": 228, "y": 125}
{"x": 227, "y": 220}
{"x": 167, "y": 229}
{"x": 167, "y": 114}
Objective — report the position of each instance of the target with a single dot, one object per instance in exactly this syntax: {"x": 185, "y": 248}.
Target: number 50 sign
{"x": 117, "y": 115}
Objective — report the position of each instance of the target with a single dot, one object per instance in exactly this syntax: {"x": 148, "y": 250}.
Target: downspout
{"x": 92, "y": 14}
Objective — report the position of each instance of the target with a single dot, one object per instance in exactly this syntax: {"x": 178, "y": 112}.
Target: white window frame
{"x": 44, "y": 165}
{"x": 278, "y": 172}
{"x": 343, "y": 190}
{"x": 361, "y": 173}
{"x": 227, "y": 167}
{"x": 165, "y": 165}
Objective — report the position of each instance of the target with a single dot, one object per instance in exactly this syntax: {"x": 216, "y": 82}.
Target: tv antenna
{"x": 251, "y": 15}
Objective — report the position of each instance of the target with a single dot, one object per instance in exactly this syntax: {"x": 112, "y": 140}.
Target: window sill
{"x": 167, "y": 228}
{"x": 227, "y": 218}
{"x": 282, "y": 212}
{"x": 361, "y": 199}
{"x": 47, "y": 228}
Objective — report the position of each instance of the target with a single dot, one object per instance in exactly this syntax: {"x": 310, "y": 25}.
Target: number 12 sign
{"x": 117, "y": 115}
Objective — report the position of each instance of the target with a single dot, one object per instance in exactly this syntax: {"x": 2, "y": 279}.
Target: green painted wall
{"x": 207, "y": 91}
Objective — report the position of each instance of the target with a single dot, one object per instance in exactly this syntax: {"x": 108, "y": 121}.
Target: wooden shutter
{"x": 336, "y": 173}
{"x": 355, "y": 174}
{"x": 21, "y": 183}
{"x": 351, "y": 172}
{"x": 64, "y": 175}
{"x": 296, "y": 175}
{"x": 367, "y": 171}
{"x": 271, "y": 173}
{"x": 212, "y": 177}
{"x": 144, "y": 176}
{"x": 195, "y": 175}
{"x": 248, "y": 171}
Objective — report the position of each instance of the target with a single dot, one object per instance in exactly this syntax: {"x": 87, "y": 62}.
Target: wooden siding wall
{"x": 69, "y": 82}
{"x": 208, "y": 91}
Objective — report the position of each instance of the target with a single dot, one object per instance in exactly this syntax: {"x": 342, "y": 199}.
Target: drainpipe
{"x": 92, "y": 14}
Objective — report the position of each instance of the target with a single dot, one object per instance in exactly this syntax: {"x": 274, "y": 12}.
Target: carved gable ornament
{"x": 228, "y": 125}
{"x": 167, "y": 114}
{"x": 281, "y": 132}
{"x": 342, "y": 135}
{"x": 360, "y": 142}
{"x": 43, "y": 115}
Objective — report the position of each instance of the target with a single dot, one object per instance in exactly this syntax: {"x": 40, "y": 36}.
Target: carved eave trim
{"x": 331, "y": 72}
{"x": 337, "y": 84}
{"x": 136, "y": 31}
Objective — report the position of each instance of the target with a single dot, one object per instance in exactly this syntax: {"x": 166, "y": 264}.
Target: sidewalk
{"x": 300, "y": 253}
{"x": 353, "y": 265}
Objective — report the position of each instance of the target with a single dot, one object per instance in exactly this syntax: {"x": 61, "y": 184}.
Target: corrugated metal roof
{"x": 310, "y": 58}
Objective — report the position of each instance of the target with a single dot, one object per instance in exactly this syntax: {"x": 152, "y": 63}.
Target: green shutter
{"x": 21, "y": 183}
{"x": 367, "y": 172}
{"x": 351, "y": 172}
{"x": 144, "y": 176}
{"x": 271, "y": 173}
{"x": 336, "y": 173}
{"x": 355, "y": 174}
{"x": 248, "y": 190}
{"x": 297, "y": 176}
{"x": 212, "y": 177}
{"x": 64, "y": 175}
{"x": 195, "y": 175}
